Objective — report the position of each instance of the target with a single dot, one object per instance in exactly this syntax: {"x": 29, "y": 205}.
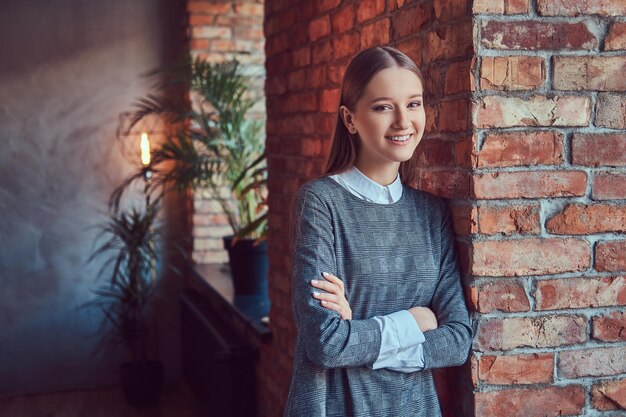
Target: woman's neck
{"x": 383, "y": 175}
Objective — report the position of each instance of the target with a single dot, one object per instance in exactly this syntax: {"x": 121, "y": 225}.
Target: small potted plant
{"x": 128, "y": 298}
{"x": 215, "y": 146}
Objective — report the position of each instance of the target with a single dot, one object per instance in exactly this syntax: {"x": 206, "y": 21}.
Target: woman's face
{"x": 389, "y": 118}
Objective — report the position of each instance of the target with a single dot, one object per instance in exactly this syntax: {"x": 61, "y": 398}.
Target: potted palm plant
{"x": 128, "y": 299}
{"x": 215, "y": 146}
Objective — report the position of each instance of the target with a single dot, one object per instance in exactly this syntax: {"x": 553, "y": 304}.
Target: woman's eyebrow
{"x": 389, "y": 98}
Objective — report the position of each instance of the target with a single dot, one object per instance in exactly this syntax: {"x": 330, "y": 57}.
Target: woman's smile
{"x": 400, "y": 140}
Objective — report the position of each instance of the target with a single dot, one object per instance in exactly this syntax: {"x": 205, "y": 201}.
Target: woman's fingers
{"x": 326, "y": 285}
{"x": 326, "y": 296}
{"x": 333, "y": 306}
{"x": 335, "y": 280}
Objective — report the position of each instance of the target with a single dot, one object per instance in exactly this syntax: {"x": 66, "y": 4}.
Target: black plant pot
{"x": 142, "y": 382}
{"x": 249, "y": 266}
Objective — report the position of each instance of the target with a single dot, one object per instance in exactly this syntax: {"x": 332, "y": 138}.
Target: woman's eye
{"x": 381, "y": 108}
{"x": 416, "y": 104}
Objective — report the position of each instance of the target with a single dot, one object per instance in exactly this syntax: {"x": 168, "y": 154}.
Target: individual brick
{"x": 500, "y": 295}
{"x": 604, "y": 73}
{"x": 607, "y": 186}
{"x": 616, "y": 39}
{"x": 532, "y": 256}
{"x": 611, "y": 256}
{"x": 609, "y": 395}
{"x": 529, "y": 184}
{"x": 534, "y": 332}
{"x": 597, "y": 361}
{"x": 611, "y": 111}
{"x": 599, "y": 149}
{"x": 508, "y": 220}
{"x": 531, "y": 402}
{"x": 521, "y": 149}
{"x": 536, "y": 368}
{"x": 584, "y": 219}
{"x": 581, "y": 7}
{"x": 506, "y": 7}
{"x": 499, "y": 111}
{"x": 512, "y": 73}
{"x": 575, "y": 292}
{"x": 536, "y": 35}
{"x": 611, "y": 327}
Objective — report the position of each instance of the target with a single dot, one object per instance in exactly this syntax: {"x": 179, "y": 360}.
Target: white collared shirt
{"x": 362, "y": 186}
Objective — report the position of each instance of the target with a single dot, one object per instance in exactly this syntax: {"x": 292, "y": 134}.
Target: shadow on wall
{"x": 67, "y": 69}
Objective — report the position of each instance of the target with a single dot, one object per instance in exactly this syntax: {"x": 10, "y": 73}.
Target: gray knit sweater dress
{"x": 391, "y": 257}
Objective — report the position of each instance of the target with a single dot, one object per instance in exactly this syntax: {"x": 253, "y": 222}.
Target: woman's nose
{"x": 402, "y": 119}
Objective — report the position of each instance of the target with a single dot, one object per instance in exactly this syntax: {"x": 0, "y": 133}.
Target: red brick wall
{"x": 309, "y": 45}
{"x": 222, "y": 30}
{"x": 548, "y": 189}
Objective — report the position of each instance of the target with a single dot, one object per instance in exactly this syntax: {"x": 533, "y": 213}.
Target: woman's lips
{"x": 400, "y": 143}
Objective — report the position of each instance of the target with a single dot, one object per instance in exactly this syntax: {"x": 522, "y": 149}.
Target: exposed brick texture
{"x": 499, "y": 111}
{"x": 537, "y": 332}
{"x": 536, "y": 368}
{"x": 512, "y": 73}
{"x": 547, "y": 159}
{"x": 508, "y": 220}
{"x": 611, "y": 327}
{"x": 611, "y": 256}
{"x": 592, "y": 362}
{"x": 609, "y": 395}
{"x": 536, "y": 35}
{"x": 562, "y": 293}
{"x": 507, "y": 296}
{"x": 532, "y": 402}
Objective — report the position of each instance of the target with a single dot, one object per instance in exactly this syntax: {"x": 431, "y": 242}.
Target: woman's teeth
{"x": 398, "y": 138}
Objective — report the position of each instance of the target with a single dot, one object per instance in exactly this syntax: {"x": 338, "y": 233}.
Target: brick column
{"x": 218, "y": 31}
{"x": 548, "y": 213}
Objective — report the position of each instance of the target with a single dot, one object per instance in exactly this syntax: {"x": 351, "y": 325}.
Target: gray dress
{"x": 391, "y": 257}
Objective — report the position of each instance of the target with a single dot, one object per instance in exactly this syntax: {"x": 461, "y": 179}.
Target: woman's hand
{"x": 334, "y": 299}
{"x": 424, "y": 317}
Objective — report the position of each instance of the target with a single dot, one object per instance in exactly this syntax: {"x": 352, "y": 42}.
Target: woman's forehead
{"x": 394, "y": 82}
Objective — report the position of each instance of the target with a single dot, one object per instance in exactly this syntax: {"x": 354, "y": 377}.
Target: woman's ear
{"x": 347, "y": 118}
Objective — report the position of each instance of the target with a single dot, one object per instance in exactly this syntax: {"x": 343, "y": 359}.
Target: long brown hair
{"x": 361, "y": 69}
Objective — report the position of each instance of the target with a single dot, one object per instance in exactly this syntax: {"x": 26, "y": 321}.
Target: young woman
{"x": 376, "y": 289}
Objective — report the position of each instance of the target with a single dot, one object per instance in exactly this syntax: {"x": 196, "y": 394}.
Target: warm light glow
{"x": 145, "y": 149}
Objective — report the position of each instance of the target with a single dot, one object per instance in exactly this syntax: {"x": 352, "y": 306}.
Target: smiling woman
{"x": 375, "y": 281}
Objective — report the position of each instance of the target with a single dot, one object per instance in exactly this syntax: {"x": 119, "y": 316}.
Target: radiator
{"x": 218, "y": 365}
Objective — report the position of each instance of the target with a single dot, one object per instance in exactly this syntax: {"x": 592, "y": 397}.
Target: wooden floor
{"x": 102, "y": 403}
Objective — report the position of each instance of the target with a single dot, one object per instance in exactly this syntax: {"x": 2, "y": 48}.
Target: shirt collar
{"x": 370, "y": 188}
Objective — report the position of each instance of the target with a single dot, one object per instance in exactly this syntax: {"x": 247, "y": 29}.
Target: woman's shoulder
{"x": 321, "y": 187}
{"x": 428, "y": 200}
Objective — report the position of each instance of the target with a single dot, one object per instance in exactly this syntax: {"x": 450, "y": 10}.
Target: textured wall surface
{"x": 548, "y": 215}
{"x": 67, "y": 69}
